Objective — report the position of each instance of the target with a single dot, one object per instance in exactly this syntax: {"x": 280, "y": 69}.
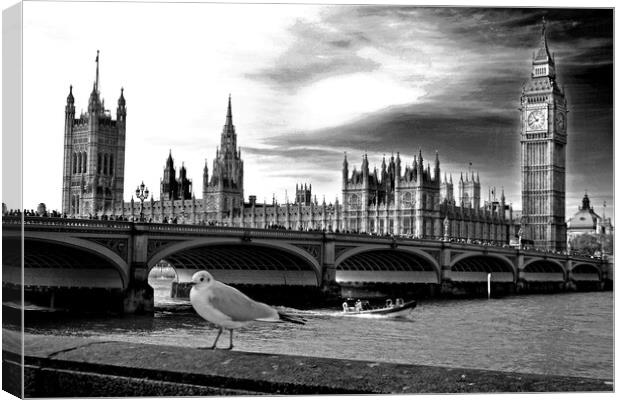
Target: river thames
{"x": 560, "y": 334}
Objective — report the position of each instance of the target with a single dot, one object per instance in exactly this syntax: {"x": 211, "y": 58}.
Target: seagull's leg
{"x": 231, "y": 344}
{"x": 214, "y": 343}
{"x": 217, "y": 337}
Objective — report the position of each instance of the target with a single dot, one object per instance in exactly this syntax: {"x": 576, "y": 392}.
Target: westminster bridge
{"x": 96, "y": 259}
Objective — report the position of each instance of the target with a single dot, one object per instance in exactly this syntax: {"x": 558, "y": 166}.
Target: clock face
{"x": 537, "y": 119}
{"x": 560, "y": 120}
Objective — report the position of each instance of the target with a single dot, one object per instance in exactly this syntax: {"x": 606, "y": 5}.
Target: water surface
{"x": 560, "y": 334}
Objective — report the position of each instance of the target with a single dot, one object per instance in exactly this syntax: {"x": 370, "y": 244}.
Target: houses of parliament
{"x": 403, "y": 197}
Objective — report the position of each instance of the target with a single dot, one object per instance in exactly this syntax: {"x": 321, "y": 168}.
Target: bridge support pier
{"x": 330, "y": 289}
{"x": 138, "y": 298}
{"x": 446, "y": 287}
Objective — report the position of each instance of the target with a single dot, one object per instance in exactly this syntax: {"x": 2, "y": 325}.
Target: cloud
{"x": 317, "y": 52}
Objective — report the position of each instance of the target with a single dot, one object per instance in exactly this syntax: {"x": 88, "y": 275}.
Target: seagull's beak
{"x": 192, "y": 283}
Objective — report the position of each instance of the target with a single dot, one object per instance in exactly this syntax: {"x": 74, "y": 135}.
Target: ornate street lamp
{"x": 142, "y": 192}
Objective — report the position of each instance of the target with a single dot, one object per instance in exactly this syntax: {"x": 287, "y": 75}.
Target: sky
{"x": 311, "y": 82}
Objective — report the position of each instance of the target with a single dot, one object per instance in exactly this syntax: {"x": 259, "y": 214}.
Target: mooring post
{"x": 489, "y": 285}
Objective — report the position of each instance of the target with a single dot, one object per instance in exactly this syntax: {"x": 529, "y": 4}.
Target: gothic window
{"x": 111, "y": 165}
{"x": 105, "y": 164}
{"x": 406, "y": 226}
{"x": 75, "y": 204}
{"x": 407, "y": 199}
{"x": 99, "y": 163}
{"x": 84, "y": 163}
{"x": 79, "y": 162}
{"x": 353, "y": 200}
{"x": 74, "y": 163}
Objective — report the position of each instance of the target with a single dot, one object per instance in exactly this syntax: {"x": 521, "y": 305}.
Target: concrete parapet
{"x": 66, "y": 367}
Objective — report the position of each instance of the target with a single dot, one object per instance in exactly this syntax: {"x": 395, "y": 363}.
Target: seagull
{"x": 228, "y": 308}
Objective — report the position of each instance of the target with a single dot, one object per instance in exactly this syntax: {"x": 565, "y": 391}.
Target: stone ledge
{"x": 61, "y": 366}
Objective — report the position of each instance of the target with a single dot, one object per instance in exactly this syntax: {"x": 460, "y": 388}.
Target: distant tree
{"x": 607, "y": 241}
{"x": 591, "y": 244}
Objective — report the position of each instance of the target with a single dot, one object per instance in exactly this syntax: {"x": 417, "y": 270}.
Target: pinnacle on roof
{"x": 228, "y": 126}
{"x": 121, "y": 100}
{"x": 229, "y": 112}
{"x": 94, "y": 103}
{"x": 542, "y": 54}
{"x": 585, "y": 202}
{"x": 70, "y": 98}
{"x": 96, "y": 86}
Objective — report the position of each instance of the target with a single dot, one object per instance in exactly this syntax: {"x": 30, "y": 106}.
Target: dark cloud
{"x": 457, "y": 134}
{"x": 317, "y": 52}
{"x": 285, "y": 150}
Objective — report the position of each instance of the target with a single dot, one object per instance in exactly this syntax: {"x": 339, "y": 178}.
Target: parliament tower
{"x": 94, "y": 156}
{"x": 543, "y": 153}
{"x": 223, "y": 192}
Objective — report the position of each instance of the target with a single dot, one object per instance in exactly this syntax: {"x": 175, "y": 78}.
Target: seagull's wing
{"x": 238, "y": 306}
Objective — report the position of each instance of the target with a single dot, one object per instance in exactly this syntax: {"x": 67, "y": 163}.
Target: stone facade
{"x": 543, "y": 153}
{"x": 415, "y": 203}
{"x": 94, "y": 155}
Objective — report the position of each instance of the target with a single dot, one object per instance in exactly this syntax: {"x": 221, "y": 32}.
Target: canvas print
{"x": 206, "y": 199}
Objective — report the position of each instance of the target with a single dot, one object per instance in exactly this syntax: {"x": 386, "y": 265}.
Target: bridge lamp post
{"x": 142, "y": 192}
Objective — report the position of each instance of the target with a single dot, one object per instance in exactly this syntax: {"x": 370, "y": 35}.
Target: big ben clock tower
{"x": 543, "y": 153}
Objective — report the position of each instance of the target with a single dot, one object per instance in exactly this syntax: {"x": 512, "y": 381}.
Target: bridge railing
{"x": 233, "y": 231}
{"x": 65, "y": 222}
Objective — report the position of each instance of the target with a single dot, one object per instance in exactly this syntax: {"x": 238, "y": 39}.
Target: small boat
{"x": 399, "y": 308}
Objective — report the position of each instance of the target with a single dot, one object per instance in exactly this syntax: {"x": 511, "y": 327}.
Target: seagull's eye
{"x": 202, "y": 279}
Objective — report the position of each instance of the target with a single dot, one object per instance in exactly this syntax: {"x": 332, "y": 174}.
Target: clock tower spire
{"x": 543, "y": 152}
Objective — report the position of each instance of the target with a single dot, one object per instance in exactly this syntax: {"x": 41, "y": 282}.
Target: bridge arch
{"x": 543, "y": 270}
{"x": 474, "y": 267}
{"x": 583, "y": 272}
{"x": 384, "y": 264}
{"x": 64, "y": 261}
{"x": 239, "y": 262}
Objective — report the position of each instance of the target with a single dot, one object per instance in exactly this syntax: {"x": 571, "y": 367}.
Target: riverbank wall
{"x": 69, "y": 367}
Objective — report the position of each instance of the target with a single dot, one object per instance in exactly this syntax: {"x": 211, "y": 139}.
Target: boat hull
{"x": 389, "y": 312}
